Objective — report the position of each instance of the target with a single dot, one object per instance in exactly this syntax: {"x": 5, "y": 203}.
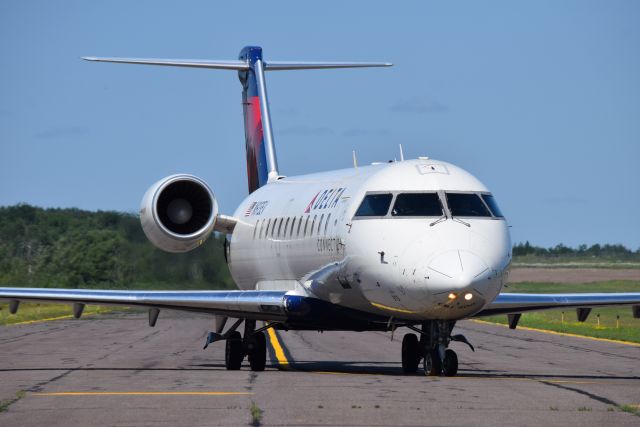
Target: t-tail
{"x": 262, "y": 163}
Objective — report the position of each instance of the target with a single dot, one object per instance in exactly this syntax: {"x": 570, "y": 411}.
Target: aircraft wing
{"x": 508, "y": 303}
{"x": 258, "y": 305}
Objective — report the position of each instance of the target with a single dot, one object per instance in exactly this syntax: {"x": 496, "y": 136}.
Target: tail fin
{"x": 262, "y": 165}
{"x": 257, "y": 122}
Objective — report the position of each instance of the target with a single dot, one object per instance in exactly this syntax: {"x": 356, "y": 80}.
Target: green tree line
{"x": 605, "y": 252}
{"x": 80, "y": 249}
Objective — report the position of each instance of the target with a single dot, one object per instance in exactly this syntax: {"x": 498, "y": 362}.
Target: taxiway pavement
{"x": 115, "y": 370}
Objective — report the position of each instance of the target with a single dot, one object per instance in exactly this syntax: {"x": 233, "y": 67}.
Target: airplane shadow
{"x": 393, "y": 369}
{"x": 343, "y": 367}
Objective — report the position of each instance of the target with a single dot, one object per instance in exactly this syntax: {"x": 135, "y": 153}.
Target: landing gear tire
{"x": 258, "y": 355}
{"x": 450, "y": 363}
{"x": 410, "y": 354}
{"x": 234, "y": 352}
{"x": 432, "y": 364}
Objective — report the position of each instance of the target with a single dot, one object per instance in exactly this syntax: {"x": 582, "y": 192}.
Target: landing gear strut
{"x": 435, "y": 338}
{"x": 254, "y": 346}
{"x": 437, "y": 359}
{"x": 411, "y": 354}
{"x": 257, "y": 355}
{"x": 234, "y": 351}
{"x": 450, "y": 363}
{"x": 432, "y": 364}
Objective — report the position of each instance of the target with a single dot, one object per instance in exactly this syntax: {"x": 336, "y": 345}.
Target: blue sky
{"x": 540, "y": 100}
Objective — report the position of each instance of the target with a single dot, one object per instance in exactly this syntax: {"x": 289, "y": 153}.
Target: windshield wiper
{"x": 442, "y": 218}
{"x": 460, "y": 221}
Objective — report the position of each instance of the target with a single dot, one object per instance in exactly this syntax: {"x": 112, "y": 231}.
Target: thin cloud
{"x": 419, "y": 105}
{"x": 62, "y": 132}
{"x": 306, "y": 130}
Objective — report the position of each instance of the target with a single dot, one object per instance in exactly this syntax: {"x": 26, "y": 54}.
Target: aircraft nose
{"x": 455, "y": 271}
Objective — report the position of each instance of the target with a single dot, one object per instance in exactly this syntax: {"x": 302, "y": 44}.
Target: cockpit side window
{"x": 374, "y": 205}
{"x": 468, "y": 205}
{"x": 493, "y": 206}
{"x": 417, "y": 204}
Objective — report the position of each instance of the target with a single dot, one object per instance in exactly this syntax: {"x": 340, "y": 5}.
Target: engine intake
{"x": 178, "y": 213}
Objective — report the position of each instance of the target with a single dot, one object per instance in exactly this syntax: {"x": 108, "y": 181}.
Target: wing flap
{"x": 259, "y": 305}
{"x": 508, "y": 303}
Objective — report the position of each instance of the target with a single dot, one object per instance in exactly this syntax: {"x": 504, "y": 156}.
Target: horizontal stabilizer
{"x": 238, "y": 65}
{"x": 291, "y": 65}
{"x": 195, "y": 63}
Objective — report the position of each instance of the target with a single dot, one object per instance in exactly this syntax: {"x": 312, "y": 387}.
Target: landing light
{"x": 468, "y": 296}
{"x": 452, "y": 296}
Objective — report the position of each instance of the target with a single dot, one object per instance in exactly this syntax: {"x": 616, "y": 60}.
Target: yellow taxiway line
{"x": 277, "y": 348}
{"x": 28, "y": 322}
{"x": 144, "y": 393}
{"x": 565, "y": 334}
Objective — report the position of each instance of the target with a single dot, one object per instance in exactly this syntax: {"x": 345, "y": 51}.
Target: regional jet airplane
{"x": 415, "y": 243}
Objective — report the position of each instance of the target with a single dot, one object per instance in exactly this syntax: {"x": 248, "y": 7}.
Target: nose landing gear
{"x": 411, "y": 354}
{"x": 437, "y": 359}
{"x": 450, "y": 363}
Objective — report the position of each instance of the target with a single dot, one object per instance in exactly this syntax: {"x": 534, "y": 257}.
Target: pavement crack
{"x": 251, "y": 380}
{"x": 4, "y": 405}
{"x": 39, "y": 386}
{"x": 592, "y": 396}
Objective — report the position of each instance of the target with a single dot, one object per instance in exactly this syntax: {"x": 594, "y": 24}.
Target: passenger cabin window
{"x": 299, "y": 224}
{"x": 417, "y": 204}
{"x": 374, "y": 205}
{"x": 493, "y": 206}
{"x": 326, "y": 224}
{"x": 467, "y": 205}
{"x": 280, "y": 220}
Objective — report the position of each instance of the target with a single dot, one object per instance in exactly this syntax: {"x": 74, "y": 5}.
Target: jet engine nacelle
{"x": 178, "y": 213}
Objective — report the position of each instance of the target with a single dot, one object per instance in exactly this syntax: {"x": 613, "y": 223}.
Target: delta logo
{"x": 325, "y": 199}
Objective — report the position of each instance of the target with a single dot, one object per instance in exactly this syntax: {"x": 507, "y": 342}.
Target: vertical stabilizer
{"x": 261, "y": 158}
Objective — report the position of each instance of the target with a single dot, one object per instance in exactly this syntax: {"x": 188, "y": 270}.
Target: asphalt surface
{"x": 115, "y": 370}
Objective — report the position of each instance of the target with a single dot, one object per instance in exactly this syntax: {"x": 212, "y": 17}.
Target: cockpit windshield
{"x": 417, "y": 204}
{"x": 493, "y": 206}
{"x": 466, "y": 205}
{"x": 375, "y": 205}
{"x": 434, "y": 204}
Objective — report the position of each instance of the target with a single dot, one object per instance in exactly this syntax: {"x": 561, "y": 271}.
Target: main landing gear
{"x": 254, "y": 346}
{"x": 431, "y": 348}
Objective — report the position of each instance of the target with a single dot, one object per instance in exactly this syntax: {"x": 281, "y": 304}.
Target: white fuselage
{"x": 300, "y": 234}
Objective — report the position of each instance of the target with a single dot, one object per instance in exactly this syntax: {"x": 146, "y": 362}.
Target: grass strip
{"x": 34, "y": 312}
{"x": 615, "y": 323}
